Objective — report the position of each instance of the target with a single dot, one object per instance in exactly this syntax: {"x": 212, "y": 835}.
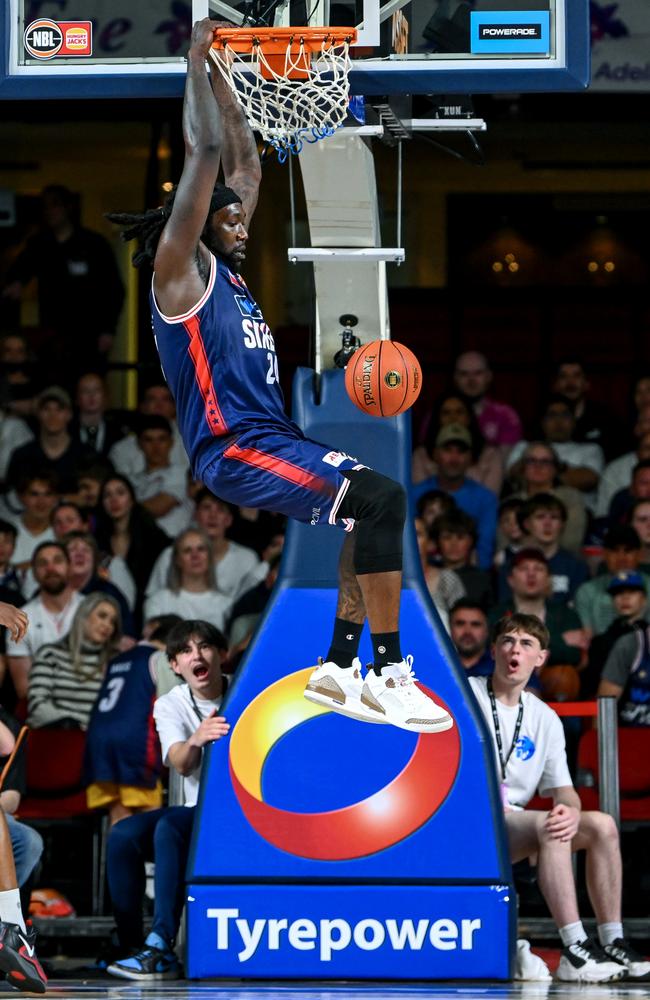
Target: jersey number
{"x": 272, "y": 374}
{"x": 113, "y": 692}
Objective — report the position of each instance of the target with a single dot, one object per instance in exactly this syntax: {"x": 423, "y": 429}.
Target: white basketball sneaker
{"x": 587, "y": 962}
{"x": 339, "y": 688}
{"x": 637, "y": 966}
{"x": 394, "y": 697}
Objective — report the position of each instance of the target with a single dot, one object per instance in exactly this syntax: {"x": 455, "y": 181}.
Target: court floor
{"x": 235, "y": 990}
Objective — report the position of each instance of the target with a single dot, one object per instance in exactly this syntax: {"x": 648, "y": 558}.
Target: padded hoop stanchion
{"x": 307, "y": 819}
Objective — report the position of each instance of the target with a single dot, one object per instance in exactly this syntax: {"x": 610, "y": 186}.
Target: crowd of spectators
{"x": 554, "y": 523}
{"x": 94, "y": 510}
{"x": 101, "y": 502}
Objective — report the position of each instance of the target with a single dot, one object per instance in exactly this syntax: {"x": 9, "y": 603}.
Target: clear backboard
{"x": 104, "y": 48}
{"x": 445, "y": 46}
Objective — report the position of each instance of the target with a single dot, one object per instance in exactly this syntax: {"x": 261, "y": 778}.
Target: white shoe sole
{"x": 390, "y": 715}
{"x": 586, "y": 977}
{"x": 351, "y": 709}
{"x": 440, "y": 726}
{"x": 143, "y": 977}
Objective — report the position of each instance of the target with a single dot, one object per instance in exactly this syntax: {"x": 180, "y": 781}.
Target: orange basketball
{"x": 383, "y": 378}
{"x": 560, "y": 683}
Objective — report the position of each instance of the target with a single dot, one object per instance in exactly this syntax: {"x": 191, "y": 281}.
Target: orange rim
{"x": 274, "y": 41}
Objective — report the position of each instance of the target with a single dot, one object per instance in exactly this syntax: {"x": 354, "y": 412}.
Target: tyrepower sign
{"x": 358, "y": 932}
{"x": 45, "y": 39}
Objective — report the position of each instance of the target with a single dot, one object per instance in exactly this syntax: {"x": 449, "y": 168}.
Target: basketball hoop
{"x": 291, "y": 82}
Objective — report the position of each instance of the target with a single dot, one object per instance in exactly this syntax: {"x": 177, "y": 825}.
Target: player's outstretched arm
{"x": 239, "y": 157}
{"x": 177, "y": 248}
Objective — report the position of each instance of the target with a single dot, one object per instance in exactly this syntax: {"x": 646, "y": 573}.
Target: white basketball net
{"x": 289, "y": 112}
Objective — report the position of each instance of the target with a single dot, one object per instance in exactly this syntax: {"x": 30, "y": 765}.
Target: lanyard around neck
{"x": 194, "y": 705}
{"x": 497, "y": 729}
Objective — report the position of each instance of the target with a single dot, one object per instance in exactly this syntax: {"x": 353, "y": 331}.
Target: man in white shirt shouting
{"x": 530, "y": 754}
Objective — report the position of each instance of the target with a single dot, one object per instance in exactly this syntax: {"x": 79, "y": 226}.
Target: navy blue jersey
{"x": 122, "y": 744}
{"x": 220, "y": 364}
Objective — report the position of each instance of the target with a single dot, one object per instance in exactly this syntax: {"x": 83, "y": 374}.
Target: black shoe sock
{"x": 385, "y": 649}
{"x": 345, "y": 642}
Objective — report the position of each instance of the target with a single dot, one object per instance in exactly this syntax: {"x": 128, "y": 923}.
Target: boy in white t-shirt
{"x": 530, "y": 754}
{"x": 187, "y": 719}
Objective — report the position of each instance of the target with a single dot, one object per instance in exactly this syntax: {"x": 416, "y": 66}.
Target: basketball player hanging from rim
{"x": 219, "y": 359}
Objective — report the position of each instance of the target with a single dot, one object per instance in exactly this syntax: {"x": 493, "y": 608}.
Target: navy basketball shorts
{"x": 284, "y": 474}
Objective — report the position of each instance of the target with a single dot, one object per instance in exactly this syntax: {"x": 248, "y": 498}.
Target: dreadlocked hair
{"x": 146, "y": 227}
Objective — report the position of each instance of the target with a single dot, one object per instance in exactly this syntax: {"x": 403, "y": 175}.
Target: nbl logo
{"x": 43, "y": 39}
{"x": 393, "y": 379}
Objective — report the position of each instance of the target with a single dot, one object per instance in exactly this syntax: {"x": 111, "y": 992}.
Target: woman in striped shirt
{"x": 67, "y": 675}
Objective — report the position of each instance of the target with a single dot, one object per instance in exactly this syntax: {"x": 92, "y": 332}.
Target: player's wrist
{"x": 197, "y": 56}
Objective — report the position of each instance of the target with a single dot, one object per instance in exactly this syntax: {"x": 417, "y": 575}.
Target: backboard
{"x": 119, "y": 48}
{"x": 446, "y": 46}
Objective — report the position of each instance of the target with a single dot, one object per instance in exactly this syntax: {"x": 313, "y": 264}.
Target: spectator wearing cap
{"x": 542, "y": 519}
{"x": 626, "y": 674}
{"x": 581, "y": 463}
{"x": 628, "y": 595}
{"x": 530, "y": 583}
{"x": 453, "y": 456}
{"x": 453, "y": 408}
{"x": 640, "y": 521}
{"x": 621, "y": 554}
{"x": 54, "y": 450}
{"x": 161, "y": 487}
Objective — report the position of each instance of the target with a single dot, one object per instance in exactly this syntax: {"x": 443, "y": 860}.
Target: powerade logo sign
{"x": 490, "y": 31}
{"x": 335, "y": 934}
{"x": 510, "y": 32}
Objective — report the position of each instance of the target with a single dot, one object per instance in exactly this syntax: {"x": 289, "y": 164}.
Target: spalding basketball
{"x": 383, "y": 378}
{"x": 560, "y": 683}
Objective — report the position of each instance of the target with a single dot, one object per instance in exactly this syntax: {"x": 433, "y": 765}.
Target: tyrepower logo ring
{"x": 43, "y": 38}
{"x": 382, "y": 820}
